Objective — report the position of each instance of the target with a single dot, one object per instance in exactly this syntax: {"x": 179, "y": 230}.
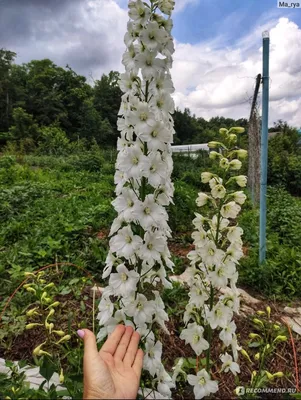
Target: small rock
{"x": 246, "y": 310}
{"x": 183, "y": 278}
{"x": 32, "y": 376}
{"x": 295, "y": 323}
{"x": 244, "y": 296}
{"x": 247, "y": 298}
{"x": 290, "y": 310}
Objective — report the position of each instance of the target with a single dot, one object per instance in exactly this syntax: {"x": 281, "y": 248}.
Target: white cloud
{"x": 213, "y": 80}
{"x": 87, "y": 34}
{"x": 181, "y": 4}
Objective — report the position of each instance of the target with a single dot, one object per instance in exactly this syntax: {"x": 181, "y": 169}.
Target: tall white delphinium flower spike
{"x": 138, "y": 246}
{"x": 213, "y": 296}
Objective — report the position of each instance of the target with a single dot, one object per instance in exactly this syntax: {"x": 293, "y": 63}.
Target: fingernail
{"x": 81, "y": 333}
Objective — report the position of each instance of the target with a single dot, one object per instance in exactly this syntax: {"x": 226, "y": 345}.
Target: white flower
{"x": 215, "y": 181}
{"x": 162, "y": 82}
{"x": 162, "y": 102}
{"x": 157, "y": 170}
{"x": 206, "y": 177}
{"x": 160, "y": 314}
{"x": 125, "y": 243}
{"x": 152, "y": 356}
{"x": 230, "y": 210}
{"x": 229, "y": 364}
{"x": 149, "y": 64}
{"x": 152, "y": 248}
{"x": 165, "y": 383}
{"x": 116, "y": 225}
{"x": 234, "y": 252}
{"x": 213, "y": 155}
{"x": 119, "y": 180}
{"x": 166, "y": 6}
{"x": 198, "y": 295}
{"x": 235, "y": 164}
{"x": 231, "y": 298}
{"x": 149, "y": 213}
{"x": 219, "y": 276}
{"x": 200, "y": 237}
{"x": 133, "y": 31}
{"x": 234, "y": 233}
{"x": 203, "y": 385}
{"x": 152, "y": 36}
{"x": 127, "y": 82}
{"x": 124, "y": 204}
{"x": 140, "y": 309}
{"x": 198, "y": 222}
{"x": 125, "y": 281}
{"x": 220, "y": 315}
{"x": 193, "y": 335}
{"x": 241, "y": 180}
{"x": 156, "y": 136}
{"x": 164, "y": 194}
{"x": 210, "y": 254}
{"x": 139, "y": 12}
{"x": 177, "y": 370}
{"x": 218, "y": 191}
{"x": 141, "y": 118}
{"x": 241, "y": 153}
{"x": 126, "y": 129}
{"x": 128, "y": 60}
{"x": 188, "y": 313}
{"x": 202, "y": 199}
{"x": 239, "y": 197}
{"x": 227, "y": 333}
{"x": 235, "y": 347}
{"x": 110, "y": 260}
{"x": 133, "y": 163}
{"x": 106, "y": 309}
{"x": 224, "y": 162}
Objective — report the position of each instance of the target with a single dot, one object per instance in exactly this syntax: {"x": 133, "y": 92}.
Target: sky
{"x": 218, "y": 48}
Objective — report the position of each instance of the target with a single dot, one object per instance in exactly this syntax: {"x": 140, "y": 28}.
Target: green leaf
{"x": 254, "y": 344}
{"x": 47, "y": 369}
{"x": 65, "y": 290}
{"x": 42, "y": 253}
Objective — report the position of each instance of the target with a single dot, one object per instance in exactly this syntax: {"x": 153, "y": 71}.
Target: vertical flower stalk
{"x": 138, "y": 257}
{"x": 213, "y": 296}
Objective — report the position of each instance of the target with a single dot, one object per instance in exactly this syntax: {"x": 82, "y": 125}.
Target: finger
{"x": 131, "y": 352}
{"x": 90, "y": 346}
{"x": 138, "y": 363}
{"x": 123, "y": 344}
{"x": 113, "y": 340}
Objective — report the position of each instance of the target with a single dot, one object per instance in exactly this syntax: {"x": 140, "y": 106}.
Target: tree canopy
{"x": 40, "y": 94}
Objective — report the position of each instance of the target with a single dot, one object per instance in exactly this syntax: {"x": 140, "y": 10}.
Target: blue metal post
{"x": 264, "y": 146}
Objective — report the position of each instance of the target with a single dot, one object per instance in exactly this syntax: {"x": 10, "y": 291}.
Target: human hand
{"x": 114, "y": 371}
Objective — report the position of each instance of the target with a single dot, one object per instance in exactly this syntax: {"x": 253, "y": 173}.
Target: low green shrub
{"x": 280, "y": 276}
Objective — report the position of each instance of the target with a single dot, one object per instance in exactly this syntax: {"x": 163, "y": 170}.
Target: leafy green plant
{"x": 266, "y": 338}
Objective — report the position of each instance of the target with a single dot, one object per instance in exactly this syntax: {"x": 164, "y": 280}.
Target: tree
{"x": 6, "y": 61}
{"x": 93, "y": 126}
{"x": 107, "y": 96}
{"x": 24, "y": 125}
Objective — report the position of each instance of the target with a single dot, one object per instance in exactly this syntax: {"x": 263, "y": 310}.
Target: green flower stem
{"x": 209, "y": 332}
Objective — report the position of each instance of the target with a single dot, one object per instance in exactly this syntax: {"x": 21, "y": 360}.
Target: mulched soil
{"x": 282, "y": 360}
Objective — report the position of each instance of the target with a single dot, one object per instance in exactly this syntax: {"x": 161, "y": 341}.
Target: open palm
{"x": 114, "y": 371}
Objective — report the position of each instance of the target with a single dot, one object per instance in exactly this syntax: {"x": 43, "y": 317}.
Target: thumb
{"x": 90, "y": 346}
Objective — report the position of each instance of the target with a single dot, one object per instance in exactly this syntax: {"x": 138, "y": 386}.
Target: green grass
{"x": 52, "y": 209}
